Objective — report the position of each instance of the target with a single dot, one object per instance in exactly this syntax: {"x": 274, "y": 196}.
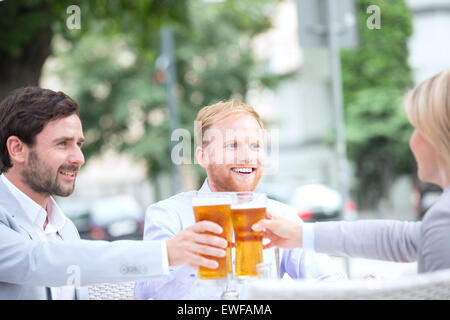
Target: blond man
{"x": 232, "y": 153}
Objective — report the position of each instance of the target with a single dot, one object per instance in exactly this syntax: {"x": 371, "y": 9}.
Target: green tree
{"x": 28, "y": 26}
{"x": 123, "y": 105}
{"x": 375, "y": 78}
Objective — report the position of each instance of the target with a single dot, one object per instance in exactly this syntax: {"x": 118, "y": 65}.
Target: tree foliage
{"x": 28, "y": 26}
{"x": 117, "y": 83}
{"x": 375, "y": 78}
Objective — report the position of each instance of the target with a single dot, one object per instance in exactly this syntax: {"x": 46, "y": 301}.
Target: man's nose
{"x": 246, "y": 156}
{"x": 76, "y": 156}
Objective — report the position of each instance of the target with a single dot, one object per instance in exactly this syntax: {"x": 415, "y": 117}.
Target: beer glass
{"x": 247, "y": 208}
{"x": 215, "y": 207}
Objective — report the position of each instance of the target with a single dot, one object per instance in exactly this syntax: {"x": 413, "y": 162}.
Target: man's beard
{"x": 38, "y": 176}
{"x": 224, "y": 183}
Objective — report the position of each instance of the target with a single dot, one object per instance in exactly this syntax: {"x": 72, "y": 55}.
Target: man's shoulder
{"x": 7, "y": 217}
{"x": 4, "y": 215}
{"x": 7, "y": 203}
{"x": 174, "y": 203}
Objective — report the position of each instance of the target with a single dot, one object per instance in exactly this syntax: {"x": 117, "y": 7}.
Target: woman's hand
{"x": 281, "y": 232}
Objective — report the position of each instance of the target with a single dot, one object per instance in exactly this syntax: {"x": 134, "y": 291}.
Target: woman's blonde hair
{"x": 428, "y": 109}
{"x": 211, "y": 114}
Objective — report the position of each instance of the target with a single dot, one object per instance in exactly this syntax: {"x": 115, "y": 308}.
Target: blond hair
{"x": 209, "y": 115}
{"x": 428, "y": 109}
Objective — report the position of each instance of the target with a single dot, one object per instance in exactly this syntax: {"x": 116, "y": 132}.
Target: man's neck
{"x": 213, "y": 187}
{"x": 39, "y": 198}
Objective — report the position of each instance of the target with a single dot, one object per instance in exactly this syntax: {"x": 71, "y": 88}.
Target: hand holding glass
{"x": 215, "y": 207}
{"x": 247, "y": 208}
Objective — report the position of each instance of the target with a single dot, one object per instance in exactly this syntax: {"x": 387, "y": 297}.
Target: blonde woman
{"x": 426, "y": 241}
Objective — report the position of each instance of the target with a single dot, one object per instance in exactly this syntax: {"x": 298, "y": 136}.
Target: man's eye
{"x": 232, "y": 145}
{"x": 62, "y": 143}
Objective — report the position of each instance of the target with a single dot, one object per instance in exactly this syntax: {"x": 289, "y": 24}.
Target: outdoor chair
{"x": 111, "y": 291}
{"x": 426, "y": 286}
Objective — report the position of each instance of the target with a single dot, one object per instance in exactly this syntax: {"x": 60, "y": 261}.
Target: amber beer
{"x": 215, "y": 208}
{"x": 246, "y": 210}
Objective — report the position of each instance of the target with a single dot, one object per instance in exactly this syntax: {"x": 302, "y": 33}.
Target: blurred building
{"x": 429, "y": 46}
{"x": 299, "y": 110}
{"x": 300, "y": 107}
{"x": 111, "y": 174}
{"x": 301, "y": 122}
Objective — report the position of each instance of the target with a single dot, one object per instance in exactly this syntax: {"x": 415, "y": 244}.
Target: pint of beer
{"x": 247, "y": 208}
{"x": 215, "y": 207}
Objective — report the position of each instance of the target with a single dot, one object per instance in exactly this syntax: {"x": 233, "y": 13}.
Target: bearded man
{"x": 232, "y": 153}
{"x": 41, "y": 137}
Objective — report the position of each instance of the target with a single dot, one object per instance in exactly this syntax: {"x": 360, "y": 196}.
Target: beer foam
{"x": 241, "y": 206}
{"x": 200, "y": 202}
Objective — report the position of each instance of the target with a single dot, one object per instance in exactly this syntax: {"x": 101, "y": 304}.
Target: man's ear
{"x": 201, "y": 156}
{"x": 17, "y": 150}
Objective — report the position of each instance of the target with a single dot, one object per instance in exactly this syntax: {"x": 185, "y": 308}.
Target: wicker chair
{"x": 111, "y": 291}
{"x": 428, "y": 286}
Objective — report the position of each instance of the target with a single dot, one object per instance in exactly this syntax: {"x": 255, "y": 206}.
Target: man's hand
{"x": 281, "y": 232}
{"x": 188, "y": 246}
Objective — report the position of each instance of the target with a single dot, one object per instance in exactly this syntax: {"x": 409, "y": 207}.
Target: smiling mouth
{"x": 70, "y": 174}
{"x": 243, "y": 170}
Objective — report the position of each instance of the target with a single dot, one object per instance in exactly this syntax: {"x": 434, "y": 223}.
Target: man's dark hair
{"x": 24, "y": 114}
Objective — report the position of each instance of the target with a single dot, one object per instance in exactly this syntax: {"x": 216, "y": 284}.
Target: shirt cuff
{"x": 165, "y": 258}
{"x": 308, "y": 236}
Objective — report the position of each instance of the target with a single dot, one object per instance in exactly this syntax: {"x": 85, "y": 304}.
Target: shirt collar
{"x": 447, "y": 189}
{"x": 205, "y": 187}
{"x": 55, "y": 215}
{"x": 35, "y": 213}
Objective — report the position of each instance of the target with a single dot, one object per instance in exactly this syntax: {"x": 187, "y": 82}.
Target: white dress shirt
{"x": 165, "y": 219}
{"x": 308, "y": 236}
{"x": 38, "y": 216}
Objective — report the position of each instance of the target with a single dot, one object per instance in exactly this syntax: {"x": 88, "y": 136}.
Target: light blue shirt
{"x": 165, "y": 219}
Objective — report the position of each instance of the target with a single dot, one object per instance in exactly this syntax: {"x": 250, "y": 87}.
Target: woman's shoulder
{"x": 439, "y": 211}
{"x": 435, "y": 236}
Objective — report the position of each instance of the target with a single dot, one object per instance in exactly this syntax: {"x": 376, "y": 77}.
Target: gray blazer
{"x": 28, "y": 265}
{"x": 426, "y": 241}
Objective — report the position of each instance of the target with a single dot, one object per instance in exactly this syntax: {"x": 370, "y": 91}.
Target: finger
{"x": 261, "y": 225}
{"x": 204, "y": 226}
{"x": 208, "y": 263}
{"x": 268, "y": 245}
{"x": 208, "y": 251}
{"x": 269, "y": 214}
{"x": 270, "y": 235}
{"x": 195, "y": 261}
{"x": 210, "y": 240}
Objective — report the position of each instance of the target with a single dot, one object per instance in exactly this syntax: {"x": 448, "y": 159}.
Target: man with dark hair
{"x": 40, "y": 143}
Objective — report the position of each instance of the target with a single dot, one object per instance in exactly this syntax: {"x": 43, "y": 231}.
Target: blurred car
{"x": 77, "y": 212}
{"x": 110, "y": 218}
{"x": 313, "y": 202}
